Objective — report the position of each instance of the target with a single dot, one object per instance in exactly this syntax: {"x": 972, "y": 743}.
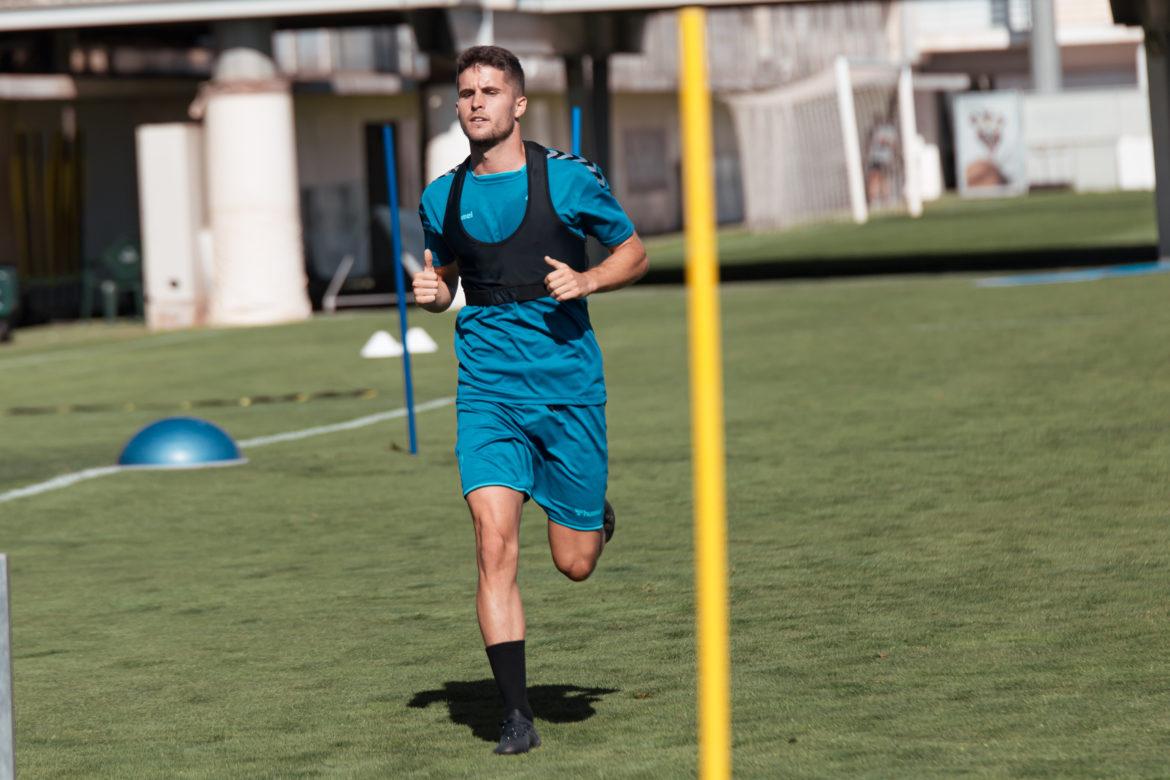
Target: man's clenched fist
{"x": 564, "y": 283}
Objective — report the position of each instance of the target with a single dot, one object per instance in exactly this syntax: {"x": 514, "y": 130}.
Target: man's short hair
{"x": 493, "y": 57}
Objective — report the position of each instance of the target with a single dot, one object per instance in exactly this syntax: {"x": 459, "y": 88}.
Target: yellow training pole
{"x": 714, "y": 705}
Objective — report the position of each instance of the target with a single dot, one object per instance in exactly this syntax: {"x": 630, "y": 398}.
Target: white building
{"x": 77, "y": 79}
{"x": 1094, "y": 134}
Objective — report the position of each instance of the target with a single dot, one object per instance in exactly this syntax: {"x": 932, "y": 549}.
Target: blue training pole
{"x": 399, "y": 276}
{"x": 576, "y": 130}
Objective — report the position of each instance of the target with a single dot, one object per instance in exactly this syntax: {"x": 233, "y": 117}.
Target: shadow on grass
{"x": 476, "y": 704}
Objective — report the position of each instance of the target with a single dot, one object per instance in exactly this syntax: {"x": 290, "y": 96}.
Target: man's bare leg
{"x": 575, "y": 553}
{"x": 495, "y": 513}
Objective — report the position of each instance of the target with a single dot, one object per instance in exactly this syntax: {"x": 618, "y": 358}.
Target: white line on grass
{"x": 360, "y": 422}
{"x": 65, "y": 480}
{"x": 143, "y": 341}
{"x": 124, "y": 345}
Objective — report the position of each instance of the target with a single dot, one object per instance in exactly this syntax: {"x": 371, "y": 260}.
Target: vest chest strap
{"x": 497, "y": 296}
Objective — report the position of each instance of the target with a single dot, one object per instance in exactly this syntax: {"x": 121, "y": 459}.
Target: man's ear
{"x": 521, "y": 106}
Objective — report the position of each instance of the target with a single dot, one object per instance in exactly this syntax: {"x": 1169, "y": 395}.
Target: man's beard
{"x": 495, "y": 139}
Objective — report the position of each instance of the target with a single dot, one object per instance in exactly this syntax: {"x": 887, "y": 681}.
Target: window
{"x": 645, "y": 159}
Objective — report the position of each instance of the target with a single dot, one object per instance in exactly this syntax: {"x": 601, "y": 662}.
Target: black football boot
{"x": 607, "y": 521}
{"x": 517, "y": 735}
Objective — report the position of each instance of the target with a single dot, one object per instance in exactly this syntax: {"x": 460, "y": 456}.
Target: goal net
{"x": 830, "y": 145}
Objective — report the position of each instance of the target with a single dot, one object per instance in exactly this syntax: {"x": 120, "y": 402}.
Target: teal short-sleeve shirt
{"x": 531, "y": 352}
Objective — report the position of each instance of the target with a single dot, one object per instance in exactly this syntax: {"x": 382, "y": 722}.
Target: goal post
{"x": 878, "y": 98}
{"x": 850, "y": 137}
{"x": 911, "y": 153}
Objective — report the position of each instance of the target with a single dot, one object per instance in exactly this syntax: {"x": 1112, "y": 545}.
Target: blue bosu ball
{"x": 180, "y": 442}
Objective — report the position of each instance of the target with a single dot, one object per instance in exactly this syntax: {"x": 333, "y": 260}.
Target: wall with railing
{"x": 1089, "y": 140}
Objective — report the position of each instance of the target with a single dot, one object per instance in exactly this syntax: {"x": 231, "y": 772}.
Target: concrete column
{"x": 245, "y": 51}
{"x": 1044, "y": 50}
{"x": 252, "y": 186}
{"x": 1158, "y": 71}
{"x": 579, "y": 96}
{"x": 599, "y": 114}
{"x": 592, "y": 95}
{"x": 445, "y": 146}
{"x": 171, "y": 207}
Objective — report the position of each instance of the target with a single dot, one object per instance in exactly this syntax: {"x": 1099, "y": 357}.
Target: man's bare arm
{"x": 434, "y": 288}
{"x": 626, "y": 264}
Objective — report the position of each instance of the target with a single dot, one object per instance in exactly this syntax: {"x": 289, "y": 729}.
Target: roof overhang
{"x": 118, "y": 14}
{"x": 28, "y": 15}
{"x": 587, "y": 6}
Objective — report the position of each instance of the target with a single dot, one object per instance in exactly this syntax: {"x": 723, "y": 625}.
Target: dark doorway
{"x": 381, "y": 267}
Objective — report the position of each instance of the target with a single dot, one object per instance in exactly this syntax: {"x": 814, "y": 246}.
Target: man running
{"x": 511, "y": 221}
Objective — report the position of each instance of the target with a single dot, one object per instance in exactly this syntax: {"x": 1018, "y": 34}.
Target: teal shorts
{"x": 555, "y": 455}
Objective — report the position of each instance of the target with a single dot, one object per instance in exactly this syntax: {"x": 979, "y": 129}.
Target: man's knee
{"x": 497, "y": 542}
{"x": 496, "y": 551}
{"x": 577, "y": 569}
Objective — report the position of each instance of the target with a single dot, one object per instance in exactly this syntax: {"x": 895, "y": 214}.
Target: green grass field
{"x": 949, "y": 544}
{"x": 1047, "y": 221}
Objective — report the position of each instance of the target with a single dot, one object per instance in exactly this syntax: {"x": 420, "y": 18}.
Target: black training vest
{"x": 513, "y": 269}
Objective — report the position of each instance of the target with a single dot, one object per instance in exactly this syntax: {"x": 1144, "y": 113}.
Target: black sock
{"x": 507, "y": 660}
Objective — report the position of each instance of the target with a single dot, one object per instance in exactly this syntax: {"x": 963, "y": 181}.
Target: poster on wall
{"x": 989, "y": 144}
